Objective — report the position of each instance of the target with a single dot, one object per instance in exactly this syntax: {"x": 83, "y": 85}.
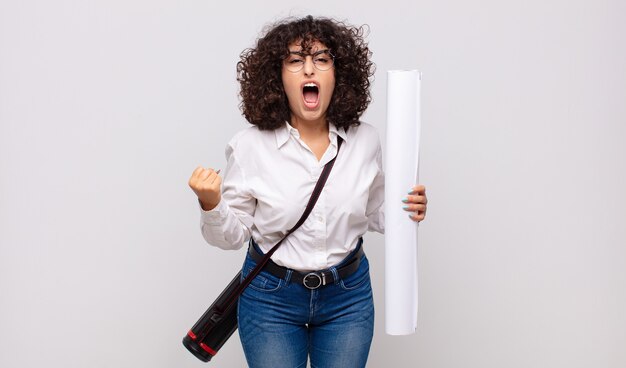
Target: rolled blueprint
{"x": 401, "y": 174}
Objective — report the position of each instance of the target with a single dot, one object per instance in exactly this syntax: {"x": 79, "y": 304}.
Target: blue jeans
{"x": 281, "y": 323}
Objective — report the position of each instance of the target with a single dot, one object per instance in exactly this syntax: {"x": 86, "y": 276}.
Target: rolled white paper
{"x": 401, "y": 173}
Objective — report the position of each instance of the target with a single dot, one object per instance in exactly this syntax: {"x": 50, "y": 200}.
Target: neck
{"x": 310, "y": 129}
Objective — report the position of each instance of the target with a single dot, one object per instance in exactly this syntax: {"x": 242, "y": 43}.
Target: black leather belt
{"x": 313, "y": 279}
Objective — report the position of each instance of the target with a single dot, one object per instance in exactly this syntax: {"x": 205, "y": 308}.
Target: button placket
{"x": 321, "y": 229}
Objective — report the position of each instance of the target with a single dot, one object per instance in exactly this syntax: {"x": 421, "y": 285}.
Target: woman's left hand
{"x": 416, "y": 202}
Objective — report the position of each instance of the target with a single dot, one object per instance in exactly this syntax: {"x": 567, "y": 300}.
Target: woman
{"x": 303, "y": 88}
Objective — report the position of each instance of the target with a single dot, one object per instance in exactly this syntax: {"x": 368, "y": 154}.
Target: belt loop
{"x": 288, "y": 277}
{"x": 256, "y": 246}
{"x": 335, "y": 274}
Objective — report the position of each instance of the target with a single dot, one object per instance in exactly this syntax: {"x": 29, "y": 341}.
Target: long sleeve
{"x": 229, "y": 224}
{"x": 375, "y": 210}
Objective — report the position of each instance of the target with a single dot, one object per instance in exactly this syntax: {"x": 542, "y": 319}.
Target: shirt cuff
{"x": 215, "y": 216}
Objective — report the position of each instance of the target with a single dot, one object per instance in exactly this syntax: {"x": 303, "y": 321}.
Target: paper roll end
{"x": 398, "y": 71}
{"x": 400, "y": 331}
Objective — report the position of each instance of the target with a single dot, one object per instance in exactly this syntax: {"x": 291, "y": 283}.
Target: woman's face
{"x": 309, "y": 90}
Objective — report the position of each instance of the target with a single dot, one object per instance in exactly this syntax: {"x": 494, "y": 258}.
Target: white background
{"x": 106, "y": 107}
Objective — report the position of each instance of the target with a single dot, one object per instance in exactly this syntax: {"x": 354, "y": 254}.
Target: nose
{"x": 308, "y": 68}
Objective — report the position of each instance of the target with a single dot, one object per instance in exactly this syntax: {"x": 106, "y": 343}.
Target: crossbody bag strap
{"x": 309, "y": 207}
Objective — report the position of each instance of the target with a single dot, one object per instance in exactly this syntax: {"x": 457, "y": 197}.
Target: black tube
{"x": 215, "y": 326}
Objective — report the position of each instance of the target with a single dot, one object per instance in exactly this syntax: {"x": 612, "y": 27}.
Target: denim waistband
{"x": 347, "y": 259}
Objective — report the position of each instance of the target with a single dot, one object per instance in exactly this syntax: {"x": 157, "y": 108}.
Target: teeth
{"x": 310, "y": 85}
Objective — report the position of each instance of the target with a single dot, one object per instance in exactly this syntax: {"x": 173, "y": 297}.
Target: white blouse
{"x": 266, "y": 185}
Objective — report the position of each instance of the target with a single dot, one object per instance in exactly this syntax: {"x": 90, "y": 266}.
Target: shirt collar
{"x": 283, "y": 133}
{"x": 332, "y": 130}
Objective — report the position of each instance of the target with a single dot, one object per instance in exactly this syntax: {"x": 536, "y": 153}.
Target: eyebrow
{"x": 300, "y": 53}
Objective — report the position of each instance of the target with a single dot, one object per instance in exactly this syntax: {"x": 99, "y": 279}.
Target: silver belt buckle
{"x": 312, "y": 280}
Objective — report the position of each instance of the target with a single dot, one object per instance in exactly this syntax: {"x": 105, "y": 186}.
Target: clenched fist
{"x": 206, "y": 184}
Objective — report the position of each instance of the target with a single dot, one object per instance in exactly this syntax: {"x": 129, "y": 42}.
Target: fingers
{"x": 415, "y": 207}
{"x": 416, "y": 203}
{"x": 418, "y": 211}
{"x": 418, "y": 189}
{"x": 415, "y": 199}
{"x": 207, "y": 176}
{"x": 417, "y": 217}
{"x": 201, "y": 173}
{"x": 204, "y": 176}
{"x": 197, "y": 170}
{"x": 206, "y": 183}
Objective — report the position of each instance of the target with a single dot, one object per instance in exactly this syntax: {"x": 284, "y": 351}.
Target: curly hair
{"x": 264, "y": 101}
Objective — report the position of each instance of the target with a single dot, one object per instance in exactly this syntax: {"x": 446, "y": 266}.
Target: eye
{"x": 294, "y": 59}
{"x": 322, "y": 60}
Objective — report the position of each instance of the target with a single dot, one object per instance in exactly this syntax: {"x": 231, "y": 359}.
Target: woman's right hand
{"x": 206, "y": 184}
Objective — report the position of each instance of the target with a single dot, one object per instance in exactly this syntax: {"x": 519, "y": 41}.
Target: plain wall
{"x": 106, "y": 107}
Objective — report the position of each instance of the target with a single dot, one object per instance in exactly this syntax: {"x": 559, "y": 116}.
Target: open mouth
{"x": 310, "y": 93}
